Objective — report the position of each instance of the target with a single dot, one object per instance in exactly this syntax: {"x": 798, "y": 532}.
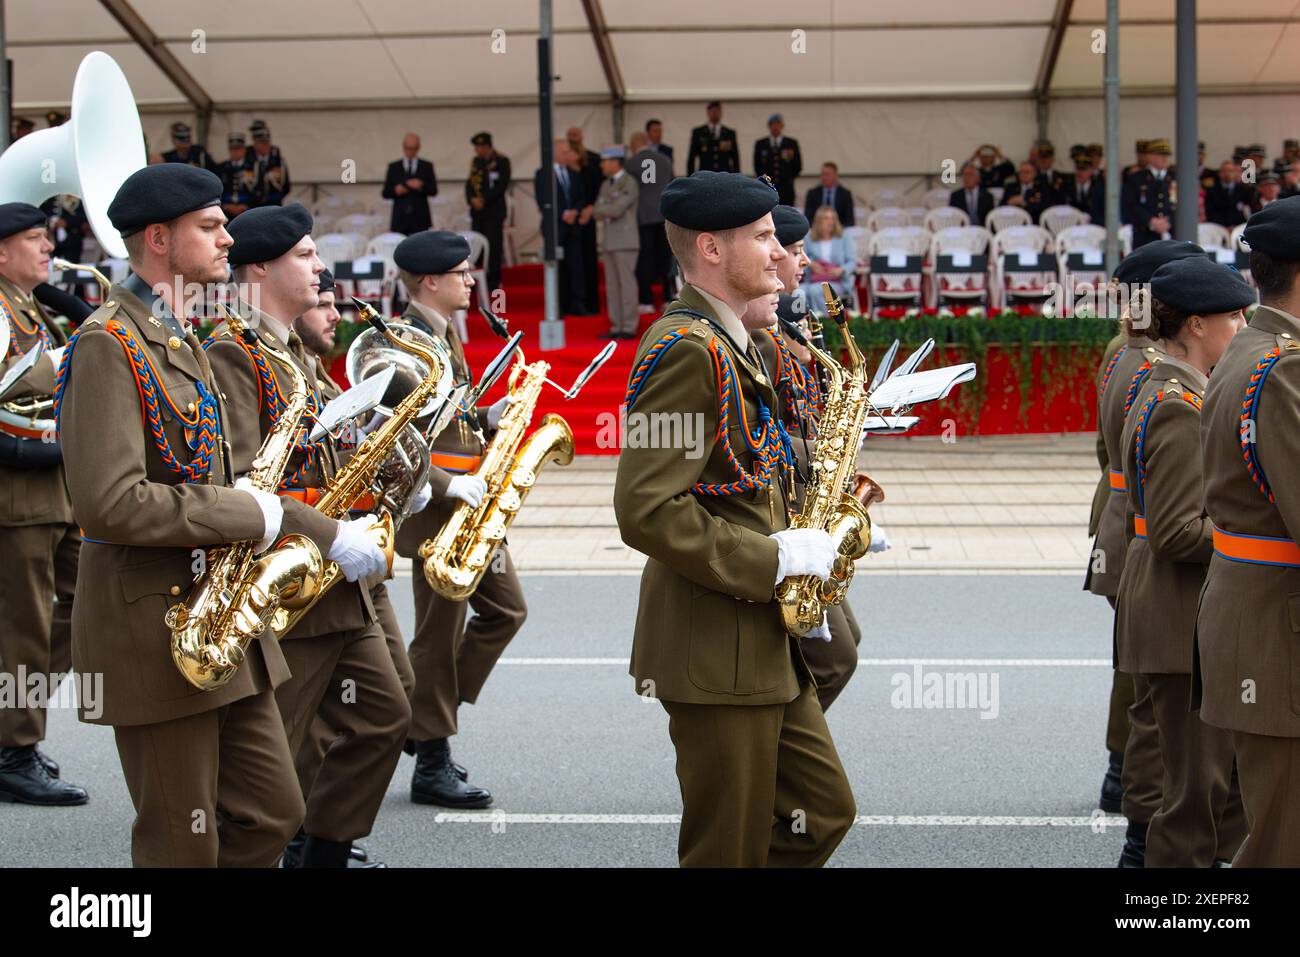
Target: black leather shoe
{"x": 409, "y": 748}
{"x": 1112, "y": 790}
{"x": 24, "y": 780}
{"x": 1135, "y": 845}
{"x": 50, "y": 765}
{"x": 359, "y": 853}
{"x": 353, "y": 862}
{"x": 318, "y": 852}
{"x": 292, "y": 857}
{"x": 436, "y": 781}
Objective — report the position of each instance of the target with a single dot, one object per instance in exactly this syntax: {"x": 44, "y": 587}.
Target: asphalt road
{"x": 1010, "y": 779}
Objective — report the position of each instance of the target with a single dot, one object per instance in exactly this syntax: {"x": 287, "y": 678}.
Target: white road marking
{"x": 872, "y": 662}
{"x": 864, "y": 820}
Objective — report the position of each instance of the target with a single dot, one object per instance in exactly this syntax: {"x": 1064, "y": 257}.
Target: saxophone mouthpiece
{"x": 370, "y": 314}
{"x": 834, "y": 308}
{"x": 495, "y": 323}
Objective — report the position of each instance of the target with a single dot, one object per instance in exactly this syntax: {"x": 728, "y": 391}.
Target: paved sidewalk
{"x": 1002, "y": 504}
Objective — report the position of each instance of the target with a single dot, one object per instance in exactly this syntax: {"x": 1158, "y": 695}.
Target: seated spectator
{"x": 1270, "y": 190}
{"x": 1229, "y": 201}
{"x": 1289, "y": 173}
{"x": 994, "y": 168}
{"x": 832, "y": 257}
{"x": 1025, "y": 190}
{"x": 830, "y": 193}
{"x": 972, "y": 196}
{"x": 1087, "y": 191}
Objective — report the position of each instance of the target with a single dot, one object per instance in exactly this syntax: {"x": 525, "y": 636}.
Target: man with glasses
{"x": 450, "y": 657}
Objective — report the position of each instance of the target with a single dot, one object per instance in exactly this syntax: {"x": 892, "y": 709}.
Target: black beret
{"x": 431, "y": 252}
{"x": 791, "y": 225}
{"x": 1273, "y": 230}
{"x": 481, "y": 139}
{"x": 1202, "y": 286}
{"x": 160, "y": 193}
{"x": 267, "y": 232}
{"x": 1140, "y": 265}
{"x": 16, "y": 217}
{"x": 326, "y": 281}
{"x": 710, "y": 202}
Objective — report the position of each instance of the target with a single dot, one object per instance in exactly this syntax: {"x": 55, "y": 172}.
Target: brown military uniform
{"x": 452, "y": 659}
{"x": 761, "y": 781}
{"x": 338, "y": 650}
{"x": 833, "y": 662}
{"x": 1246, "y": 670}
{"x": 210, "y": 772}
{"x": 1156, "y": 617}
{"x": 1141, "y": 744}
{"x": 38, "y": 538}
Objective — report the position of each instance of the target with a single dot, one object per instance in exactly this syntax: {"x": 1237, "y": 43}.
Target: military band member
{"x": 485, "y": 191}
{"x": 713, "y": 146}
{"x": 1146, "y": 199}
{"x": 834, "y": 659}
{"x": 777, "y": 157}
{"x": 1195, "y": 311}
{"x": 1245, "y": 672}
{"x": 185, "y": 150}
{"x": 141, "y": 427}
{"x": 760, "y": 779}
{"x": 241, "y": 185}
{"x": 1133, "y": 779}
{"x": 272, "y": 170}
{"x": 338, "y": 649}
{"x": 450, "y": 655}
{"x": 37, "y": 534}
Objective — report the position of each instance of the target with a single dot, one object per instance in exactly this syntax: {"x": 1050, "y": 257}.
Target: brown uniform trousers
{"x": 1246, "y": 672}
{"x": 1131, "y": 726}
{"x": 450, "y": 656}
{"x": 760, "y": 778}
{"x": 209, "y": 772}
{"x": 1198, "y": 822}
{"x": 337, "y": 652}
{"x": 38, "y": 539}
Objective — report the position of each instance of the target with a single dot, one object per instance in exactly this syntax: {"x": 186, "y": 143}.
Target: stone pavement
{"x": 1004, "y": 504}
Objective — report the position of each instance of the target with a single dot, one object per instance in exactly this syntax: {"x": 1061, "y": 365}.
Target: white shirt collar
{"x": 435, "y": 320}
{"x": 728, "y": 319}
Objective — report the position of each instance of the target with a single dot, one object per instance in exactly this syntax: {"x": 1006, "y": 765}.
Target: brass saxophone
{"x": 458, "y": 556}
{"x": 235, "y": 599}
{"x": 360, "y": 474}
{"x": 803, "y": 598}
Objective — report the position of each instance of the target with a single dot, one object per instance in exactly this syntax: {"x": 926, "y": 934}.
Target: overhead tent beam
{"x": 608, "y": 60}
{"x": 155, "y": 49}
{"x": 1052, "y": 48}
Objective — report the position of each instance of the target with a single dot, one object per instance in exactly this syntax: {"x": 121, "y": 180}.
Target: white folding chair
{"x": 860, "y": 236}
{"x": 915, "y": 215}
{"x": 383, "y": 246}
{"x": 1031, "y": 246}
{"x": 958, "y": 283}
{"x": 936, "y": 198}
{"x": 1056, "y": 218}
{"x": 360, "y": 223}
{"x": 898, "y": 286}
{"x": 1000, "y": 217}
{"x": 886, "y": 197}
{"x": 1212, "y": 234}
{"x": 1236, "y": 245}
{"x": 888, "y": 216}
{"x": 945, "y": 217}
{"x": 1125, "y": 236}
{"x": 478, "y": 257}
{"x": 1087, "y": 240}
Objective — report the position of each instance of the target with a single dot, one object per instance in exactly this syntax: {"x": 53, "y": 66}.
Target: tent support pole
{"x": 1114, "y": 169}
{"x": 552, "y": 327}
{"x": 1189, "y": 169}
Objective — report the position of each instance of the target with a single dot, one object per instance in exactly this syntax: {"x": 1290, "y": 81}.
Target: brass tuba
{"x": 236, "y": 598}
{"x": 804, "y": 598}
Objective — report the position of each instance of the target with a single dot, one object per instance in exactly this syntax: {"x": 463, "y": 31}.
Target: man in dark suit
{"x": 777, "y": 157}
{"x": 972, "y": 197}
{"x": 587, "y": 165}
{"x": 654, "y": 131}
{"x": 409, "y": 184}
{"x": 1027, "y": 191}
{"x": 1147, "y": 202}
{"x": 1087, "y": 190}
{"x": 830, "y": 193}
{"x": 1229, "y": 201}
{"x": 485, "y": 191}
{"x": 713, "y": 146}
{"x": 570, "y": 200}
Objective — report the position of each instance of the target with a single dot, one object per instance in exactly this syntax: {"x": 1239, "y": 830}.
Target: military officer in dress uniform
{"x": 777, "y": 157}
{"x": 1027, "y": 190}
{"x": 1146, "y": 199}
{"x": 338, "y": 648}
{"x": 485, "y": 191}
{"x": 316, "y": 328}
{"x": 184, "y": 150}
{"x": 760, "y": 779}
{"x": 1196, "y": 309}
{"x": 272, "y": 170}
{"x": 241, "y": 185}
{"x": 141, "y": 425}
{"x": 451, "y": 657}
{"x": 1056, "y": 186}
{"x": 616, "y": 207}
{"x": 713, "y": 146}
{"x": 1133, "y": 779}
{"x": 37, "y": 533}
{"x": 1245, "y": 672}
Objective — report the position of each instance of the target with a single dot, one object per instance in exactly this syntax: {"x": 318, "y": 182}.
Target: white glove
{"x": 879, "y": 540}
{"x": 421, "y": 499}
{"x": 803, "y": 551}
{"x": 355, "y": 552}
{"x": 272, "y": 512}
{"x": 822, "y": 631}
{"x": 56, "y": 356}
{"x": 496, "y": 410}
{"x": 470, "y": 489}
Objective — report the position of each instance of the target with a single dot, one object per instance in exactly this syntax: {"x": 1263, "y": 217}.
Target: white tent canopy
{"x": 889, "y": 91}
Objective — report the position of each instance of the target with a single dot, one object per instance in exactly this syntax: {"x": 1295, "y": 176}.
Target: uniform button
{"x": 173, "y": 343}
{"x": 175, "y": 589}
{"x": 1173, "y": 382}
{"x": 110, "y": 304}
{"x": 1286, "y": 335}
{"x": 190, "y": 407}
